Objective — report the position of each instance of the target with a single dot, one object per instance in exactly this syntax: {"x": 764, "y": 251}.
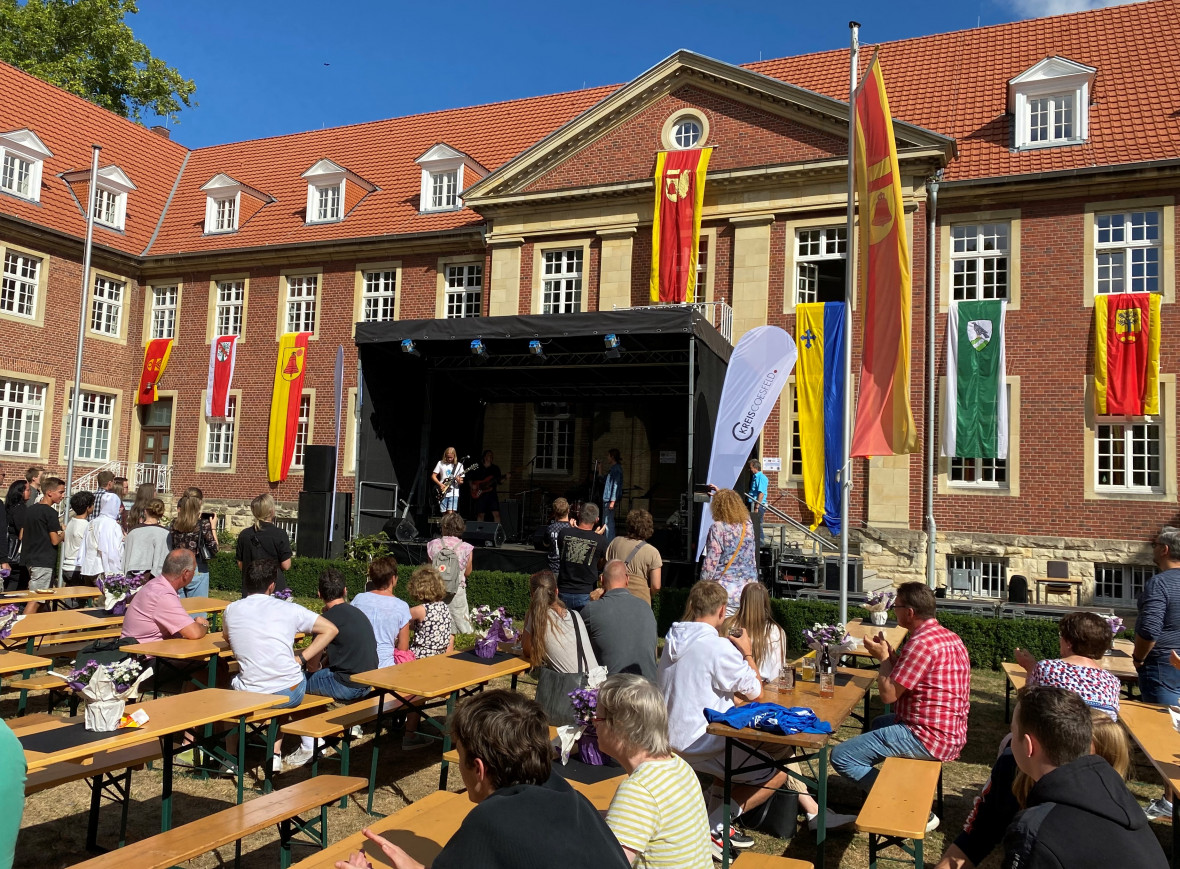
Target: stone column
{"x": 614, "y": 280}
{"x": 505, "y": 283}
{"x": 751, "y": 272}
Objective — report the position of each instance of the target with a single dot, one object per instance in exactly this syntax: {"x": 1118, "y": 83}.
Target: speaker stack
{"x": 315, "y": 506}
{"x": 484, "y": 533}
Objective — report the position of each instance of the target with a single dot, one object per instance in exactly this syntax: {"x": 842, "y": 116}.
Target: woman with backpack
{"x": 451, "y": 557}
{"x": 264, "y": 539}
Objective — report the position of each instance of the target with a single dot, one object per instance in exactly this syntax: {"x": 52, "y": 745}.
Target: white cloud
{"x": 1042, "y": 8}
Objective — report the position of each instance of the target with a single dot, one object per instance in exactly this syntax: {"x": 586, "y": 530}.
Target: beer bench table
{"x": 208, "y": 648}
{"x": 54, "y": 596}
{"x": 1151, "y": 728}
{"x": 1119, "y": 663}
{"x": 859, "y": 629}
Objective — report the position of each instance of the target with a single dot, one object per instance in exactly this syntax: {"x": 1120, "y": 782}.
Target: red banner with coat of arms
{"x": 284, "y": 403}
{"x": 155, "y": 360}
{"x": 222, "y": 355}
{"x": 1127, "y": 354}
{"x": 676, "y": 224}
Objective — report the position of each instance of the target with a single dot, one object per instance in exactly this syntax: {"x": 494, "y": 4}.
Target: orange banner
{"x": 284, "y": 404}
{"x": 884, "y": 421}
{"x": 676, "y": 224}
{"x": 155, "y": 360}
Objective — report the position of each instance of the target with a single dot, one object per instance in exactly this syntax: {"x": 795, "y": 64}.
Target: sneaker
{"x": 276, "y": 763}
{"x": 932, "y": 823}
{"x": 356, "y": 732}
{"x": 414, "y": 741}
{"x": 225, "y": 767}
{"x": 736, "y": 839}
{"x": 716, "y": 843}
{"x": 834, "y": 820}
{"x": 1158, "y": 808}
{"x": 297, "y": 758}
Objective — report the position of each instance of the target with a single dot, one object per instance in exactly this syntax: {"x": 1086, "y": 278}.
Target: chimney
{"x": 161, "y": 131}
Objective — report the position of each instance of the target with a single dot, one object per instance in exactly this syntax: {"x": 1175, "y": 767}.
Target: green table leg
{"x": 726, "y": 791}
{"x": 376, "y": 742}
{"x": 168, "y": 744}
{"x": 821, "y": 797}
{"x": 242, "y": 758}
{"x": 442, "y": 776}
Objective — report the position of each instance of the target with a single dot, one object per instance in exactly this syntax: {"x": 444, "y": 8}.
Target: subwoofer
{"x": 315, "y": 515}
{"x": 319, "y": 464}
{"x": 484, "y": 533}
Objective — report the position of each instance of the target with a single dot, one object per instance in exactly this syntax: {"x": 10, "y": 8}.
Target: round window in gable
{"x": 686, "y": 133}
{"x": 685, "y": 129}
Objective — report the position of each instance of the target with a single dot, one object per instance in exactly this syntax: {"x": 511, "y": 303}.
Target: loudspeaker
{"x": 856, "y": 569}
{"x": 315, "y": 512}
{"x": 510, "y": 516}
{"x": 319, "y": 463}
{"x": 484, "y": 532}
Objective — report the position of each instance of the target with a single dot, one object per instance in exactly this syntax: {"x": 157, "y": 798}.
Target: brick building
{"x": 1059, "y": 150}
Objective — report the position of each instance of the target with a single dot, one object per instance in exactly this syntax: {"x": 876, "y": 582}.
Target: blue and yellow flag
{"x": 819, "y": 385}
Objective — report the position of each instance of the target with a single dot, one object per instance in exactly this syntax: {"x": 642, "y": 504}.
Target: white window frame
{"x": 444, "y": 189}
{"x": 993, "y": 581}
{"x": 1064, "y": 84}
{"x": 1133, "y": 434}
{"x": 110, "y": 207}
{"x": 562, "y": 270}
{"x": 1149, "y": 251}
{"x": 107, "y": 299}
{"x": 795, "y": 456}
{"x": 976, "y": 252}
{"x": 1120, "y": 577}
{"x": 554, "y": 439}
{"x": 464, "y": 290}
{"x": 325, "y": 179}
{"x": 23, "y": 146}
{"x": 439, "y": 161}
{"x": 301, "y": 303}
{"x": 22, "y": 411}
{"x": 229, "y": 308}
{"x": 302, "y": 431}
{"x": 832, "y": 242}
{"x": 17, "y": 173}
{"x": 328, "y": 203}
{"x": 687, "y": 133}
{"x": 220, "y": 439}
{"x": 96, "y": 424}
{"x": 163, "y": 311}
{"x": 379, "y": 295}
{"x": 1052, "y": 119}
{"x": 20, "y": 280}
{"x": 224, "y": 213}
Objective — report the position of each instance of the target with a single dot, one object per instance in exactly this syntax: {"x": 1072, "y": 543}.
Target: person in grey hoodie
{"x": 146, "y": 545}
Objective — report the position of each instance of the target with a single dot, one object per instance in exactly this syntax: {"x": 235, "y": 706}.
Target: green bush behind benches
{"x": 989, "y": 640}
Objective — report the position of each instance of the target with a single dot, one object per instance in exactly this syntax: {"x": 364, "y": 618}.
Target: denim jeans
{"x": 857, "y": 758}
{"x": 294, "y": 695}
{"x": 199, "y": 587}
{"x": 1159, "y": 681}
{"x": 324, "y": 683}
{"x": 608, "y": 519}
{"x": 574, "y": 601}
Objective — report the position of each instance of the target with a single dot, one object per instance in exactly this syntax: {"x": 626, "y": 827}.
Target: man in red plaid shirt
{"x": 928, "y": 683}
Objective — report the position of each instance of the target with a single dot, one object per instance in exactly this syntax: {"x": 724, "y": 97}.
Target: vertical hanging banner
{"x": 676, "y": 224}
{"x": 223, "y": 352}
{"x": 756, "y": 374}
{"x": 1127, "y": 354}
{"x": 819, "y": 386}
{"x": 976, "y": 424}
{"x": 155, "y": 360}
{"x": 884, "y": 421}
{"x": 284, "y": 403}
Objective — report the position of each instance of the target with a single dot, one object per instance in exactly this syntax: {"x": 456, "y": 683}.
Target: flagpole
{"x": 849, "y": 289}
{"x": 931, "y": 377}
{"x": 75, "y": 409}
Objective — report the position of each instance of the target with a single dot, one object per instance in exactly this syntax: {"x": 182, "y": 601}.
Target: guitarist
{"x": 448, "y": 476}
{"x": 483, "y": 482}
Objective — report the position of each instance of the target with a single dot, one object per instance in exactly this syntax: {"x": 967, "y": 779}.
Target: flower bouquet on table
{"x": 9, "y": 616}
{"x": 1115, "y": 623}
{"x": 284, "y": 594}
{"x": 492, "y": 626}
{"x": 582, "y": 732}
{"x": 878, "y": 603}
{"x": 117, "y": 590}
{"x": 106, "y": 689}
{"x": 834, "y": 637}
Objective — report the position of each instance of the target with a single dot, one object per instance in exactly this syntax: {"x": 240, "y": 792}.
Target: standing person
{"x": 1157, "y": 635}
{"x": 146, "y": 545}
{"x": 41, "y": 537}
{"x": 450, "y": 553}
{"x": 192, "y": 530}
{"x": 581, "y": 550}
{"x": 448, "y": 477}
{"x": 33, "y": 478}
{"x": 484, "y": 480}
{"x": 559, "y": 517}
{"x": 612, "y": 490}
{"x": 731, "y": 557}
{"x": 81, "y": 504}
{"x": 548, "y": 638}
{"x": 15, "y": 505}
{"x": 102, "y": 547}
{"x": 264, "y": 539}
{"x": 622, "y": 627}
{"x": 143, "y": 496}
{"x": 642, "y": 560}
{"x": 759, "y": 489}
{"x": 755, "y": 619}
{"x": 389, "y": 615}
{"x": 119, "y": 489}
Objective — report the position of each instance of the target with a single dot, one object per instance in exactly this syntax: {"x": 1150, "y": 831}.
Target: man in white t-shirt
{"x": 261, "y": 632}
{"x": 700, "y": 670}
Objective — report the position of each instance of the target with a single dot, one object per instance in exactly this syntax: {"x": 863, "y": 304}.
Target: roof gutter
{"x": 1058, "y": 175}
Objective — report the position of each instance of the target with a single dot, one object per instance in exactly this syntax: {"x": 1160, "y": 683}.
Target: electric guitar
{"x": 449, "y": 482}
{"x": 481, "y": 487}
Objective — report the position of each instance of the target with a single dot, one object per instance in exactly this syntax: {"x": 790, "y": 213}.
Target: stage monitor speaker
{"x": 832, "y": 574}
{"x": 510, "y": 516}
{"x": 319, "y": 462}
{"x": 483, "y": 533}
{"x": 315, "y": 513}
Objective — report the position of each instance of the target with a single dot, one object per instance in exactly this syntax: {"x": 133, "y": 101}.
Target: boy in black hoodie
{"x": 1079, "y": 813}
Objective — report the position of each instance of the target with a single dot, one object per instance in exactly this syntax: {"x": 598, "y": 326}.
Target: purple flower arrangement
{"x": 118, "y": 589}
{"x": 9, "y": 615}
{"x": 819, "y": 635}
{"x": 1116, "y": 625}
{"x": 284, "y": 594}
{"x": 494, "y": 627}
{"x": 123, "y": 673}
{"x": 880, "y": 600}
{"x": 585, "y": 704}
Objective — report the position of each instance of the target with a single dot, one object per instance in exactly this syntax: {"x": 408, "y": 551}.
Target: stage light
{"x": 536, "y": 349}
{"x": 612, "y": 346}
{"x": 477, "y": 349}
{"x": 408, "y": 347}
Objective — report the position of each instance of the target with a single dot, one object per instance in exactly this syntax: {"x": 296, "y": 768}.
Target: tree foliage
{"x": 86, "y": 47}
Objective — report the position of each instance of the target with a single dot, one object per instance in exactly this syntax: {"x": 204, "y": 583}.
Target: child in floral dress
{"x": 434, "y": 634}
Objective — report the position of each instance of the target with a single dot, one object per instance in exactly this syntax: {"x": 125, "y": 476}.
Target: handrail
{"x": 800, "y": 527}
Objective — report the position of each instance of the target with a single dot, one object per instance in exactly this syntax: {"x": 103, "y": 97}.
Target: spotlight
{"x": 408, "y": 347}
{"x": 612, "y": 346}
{"x": 536, "y": 349}
{"x": 477, "y": 349}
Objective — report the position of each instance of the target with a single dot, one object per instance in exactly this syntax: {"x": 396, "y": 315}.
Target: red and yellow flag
{"x": 1127, "y": 354}
{"x": 155, "y": 360}
{"x": 284, "y": 403}
{"x": 676, "y": 224}
{"x": 884, "y": 422}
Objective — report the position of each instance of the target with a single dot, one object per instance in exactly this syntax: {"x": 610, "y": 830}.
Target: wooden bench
{"x": 283, "y": 807}
{"x": 50, "y": 682}
{"x": 898, "y": 806}
{"x": 336, "y": 722}
{"x": 750, "y": 860}
{"x": 264, "y": 724}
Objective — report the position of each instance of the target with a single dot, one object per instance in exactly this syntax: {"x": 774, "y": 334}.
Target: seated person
{"x": 1084, "y": 639}
{"x": 657, "y": 814}
{"x": 700, "y": 670}
{"x": 755, "y": 619}
{"x": 1078, "y": 812}
{"x": 156, "y": 613}
{"x": 433, "y": 635}
{"x": 621, "y": 626}
{"x": 526, "y": 815}
{"x": 389, "y": 615}
{"x": 353, "y": 649}
{"x": 548, "y": 638}
{"x": 261, "y": 632}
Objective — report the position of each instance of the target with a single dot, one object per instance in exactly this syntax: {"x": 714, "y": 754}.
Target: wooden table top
{"x": 14, "y": 662}
{"x": 173, "y": 714}
{"x": 1119, "y": 664}
{"x": 834, "y": 710}
{"x": 65, "y": 592}
{"x": 182, "y": 649}
{"x": 190, "y": 604}
{"x": 60, "y": 621}
{"x": 1151, "y": 728}
{"x": 1064, "y": 580}
{"x": 438, "y": 675}
{"x": 421, "y": 829}
{"x": 860, "y": 629}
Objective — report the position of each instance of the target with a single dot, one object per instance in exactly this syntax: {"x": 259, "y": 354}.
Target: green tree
{"x": 85, "y": 47}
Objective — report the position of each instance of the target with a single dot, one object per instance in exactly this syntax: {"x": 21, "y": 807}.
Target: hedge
{"x": 989, "y": 640}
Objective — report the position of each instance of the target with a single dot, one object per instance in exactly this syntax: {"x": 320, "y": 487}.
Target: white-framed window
{"x": 16, "y": 175}
{"x": 106, "y": 306}
{"x": 978, "y": 473}
{"x": 231, "y": 297}
{"x": 1127, "y": 251}
{"x": 1051, "y": 118}
{"x": 1120, "y": 583}
{"x": 445, "y": 173}
{"x": 302, "y": 430}
{"x": 223, "y": 200}
{"x": 980, "y": 257}
{"x": 302, "y": 291}
{"x": 225, "y": 214}
{"x": 327, "y": 202}
{"x": 95, "y": 419}
{"x": 22, "y": 156}
{"x": 464, "y": 290}
{"x": 554, "y": 443}
{"x": 444, "y": 189}
{"x": 219, "y": 438}
{"x": 561, "y": 287}
{"x": 821, "y": 261}
{"x": 702, "y": 267}
{"x": 164, "y": 300}
{"x": 1050, "y": 102}
{"x": 992, "y": 580}
{"x": 686, "y": 132}
{"x": 325, "y": 190}
{"x": 379, "y": 296}
{"x": 21, "y": 407}
{"x": 795, "y": 468}
{"x": 1128, "y": 457}
{"x": 18, "y": 286}
{"x": 108, "y": 207}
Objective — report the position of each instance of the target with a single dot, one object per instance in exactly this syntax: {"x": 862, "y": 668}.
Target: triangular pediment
{"x": 114, "y": 177}
{"x": 220, "y": 183}
{"x": 324, "y": 169}
{"x": 817, "y": 115}
{"x": 1052, "y": 68}
{"x": 441, "y": 151}
{"x": 27, "y": 143}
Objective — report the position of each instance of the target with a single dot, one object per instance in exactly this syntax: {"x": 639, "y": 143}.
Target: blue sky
{"x": 268, "y": 67}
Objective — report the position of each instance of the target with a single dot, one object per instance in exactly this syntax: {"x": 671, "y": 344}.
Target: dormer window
{"x": 225, "y": 209}
{"x": 225, "y": 214}
{"x": 325, "y": 192}
{"x": 443, "y": 192}
{"x": 1050, "y": 103}
{"x": 445, "y": 172}
{"x": 327, "y": 202}
{"x": 21, "y": 157}
{"x": 110, "y": 197}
